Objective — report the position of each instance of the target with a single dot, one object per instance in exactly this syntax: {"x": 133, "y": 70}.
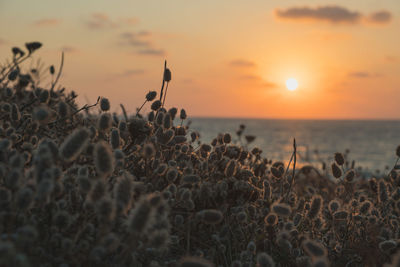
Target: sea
{"x": 370, "y": 143}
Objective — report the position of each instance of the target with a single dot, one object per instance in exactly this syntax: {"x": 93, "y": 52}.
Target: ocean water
{"x": 372, "y": 144}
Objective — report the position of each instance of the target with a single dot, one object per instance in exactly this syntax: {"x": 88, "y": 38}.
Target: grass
{"x": 82, "y": 187}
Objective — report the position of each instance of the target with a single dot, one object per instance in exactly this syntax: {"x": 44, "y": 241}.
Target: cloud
{"x": 242, "y": 63}
{"x": 46, "y": 22}
{"x": 380, "y": 17}
{"x": 99, "y": 21}
{"x": 140, "y": 42}
{"x": 152, "y": 51}
{"x": 134, "y": 39}
{"x": 258, "y": 81}
{"x": 363, "y": 74}
{"x": 332, "y": 14}
{"x": 69, "y": 49}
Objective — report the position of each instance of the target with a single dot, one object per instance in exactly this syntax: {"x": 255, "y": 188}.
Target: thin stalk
{"x": 165, "y": 95}
{"x": 137, "y": 113}
{"x": 59, "y": 72}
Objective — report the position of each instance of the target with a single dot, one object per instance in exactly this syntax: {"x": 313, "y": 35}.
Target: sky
{"x": 228, "y": 58}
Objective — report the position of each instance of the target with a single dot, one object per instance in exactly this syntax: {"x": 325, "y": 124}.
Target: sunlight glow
{"x": 292, "y": 84}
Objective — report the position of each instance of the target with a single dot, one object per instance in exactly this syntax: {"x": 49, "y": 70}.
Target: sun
{"x": 292, "y": 84}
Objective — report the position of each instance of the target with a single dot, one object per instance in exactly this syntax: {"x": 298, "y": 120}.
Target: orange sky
{"x": 228, "y": 58}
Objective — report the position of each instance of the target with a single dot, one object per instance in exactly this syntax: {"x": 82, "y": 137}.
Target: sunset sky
{"x": 229, "y": 58}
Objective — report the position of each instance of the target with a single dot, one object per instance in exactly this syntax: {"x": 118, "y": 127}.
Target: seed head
{"x": 140, "y": 217}
{"x": 114, "y": 139}
{"x": 316, "y": 205}
{"x": 183, "y": 114}
{"x": 62, "y": 109}
{"x": 156, "y": 105}
{"x": 167, "y": 75}
{"x": 314, "y": 248}
{"x": 148, "y": 150}
{"x": 387, "y": 245}
{"x": 74, "y": 144}
{"x": 398, "y": 151}
{"x": 104, "y": 122}
{"x": 104, "y": 104}
{"x": 210, "y": 216}
{"x": 103, "y": 159}
{"x": 382, "y": 191}
{"x": 336, "y": 171}
{"x": 339, "y": 159}
{"x": 334, "y": 205}
{"x": 282, "y": 209}
{"x": 265, "y": 260}
{"x": 271, "y": 219}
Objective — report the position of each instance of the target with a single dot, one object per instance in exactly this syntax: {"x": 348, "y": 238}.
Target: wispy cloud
{"x": 364, "y": 74}
{"x": 380, "y": 17}
{"x": 99, "y": 21}
{"x": 152, "y": 52}
{"x": 141, "y": 43}
{"x": 256, "y": 80}
{"x": 46, "y": 22}
{"x": 333, "y": 14}
{"x": 242, "y": 63}
{"x": 69, "y": 49}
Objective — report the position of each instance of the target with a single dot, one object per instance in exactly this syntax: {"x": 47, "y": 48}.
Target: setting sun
{"x": 292, "y": 84}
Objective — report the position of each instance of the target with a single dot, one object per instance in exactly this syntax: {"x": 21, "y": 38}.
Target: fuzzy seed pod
{"x": 156, "y": 105}
{"x": 365, "y": 207}
{"x": 316, "y": 205}
{"x": 140, "y": 217}
{"x": 41, "y": 114}
{"x": 172, "y": 174}
{"x": 314, "y": 248}
{"x": 277, "y": 172}
{"x": 210, "y": 216}
{"x": 387, "y": 246}
{"x": 183, "y": 115}
{"x": 148, "y": 150}
{"x": 230, "y": 169}
{"x": 227, "y": 138}
{"x": 104, "y": 104}
{"x": 123, "y": 192}
{"x": 336, "y": 171}
{"x": 84, "y": 184}
{"x": 114, "y": 139}
{"x": 167, "y": 121}
{"x": 282, "y": 209}
{"x": 173, "y": 112}
{"x": 105, "y": 210}
{"x": 44, "y": 96}
{"x": 340, "y": 215}
{"x": 349, "y": 176}
{"x": 334, "y": 205}
{"x": 194, "y": 262}
{"x": 62, "y": 109}
{"x": 151, "y": 95}
{"x": 265, "y": 260}
{"x": 104, "y": 122}
{"x": 103, "y": 159}
{"x": 15, "y": 115}
{"x": 160, "y": 118}
{"x": 339, "y": 159}
{"x": 167, "y": 75}
{"x": 382, "y": 191}
{"x": 271, "y": 219}
{"x": 98, "y": 191}
{"x": 398, "y": 151}
{"x": 74, "y": 144}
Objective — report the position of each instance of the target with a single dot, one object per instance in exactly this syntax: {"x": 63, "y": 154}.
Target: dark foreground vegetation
{"x": 80, "y": 186}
